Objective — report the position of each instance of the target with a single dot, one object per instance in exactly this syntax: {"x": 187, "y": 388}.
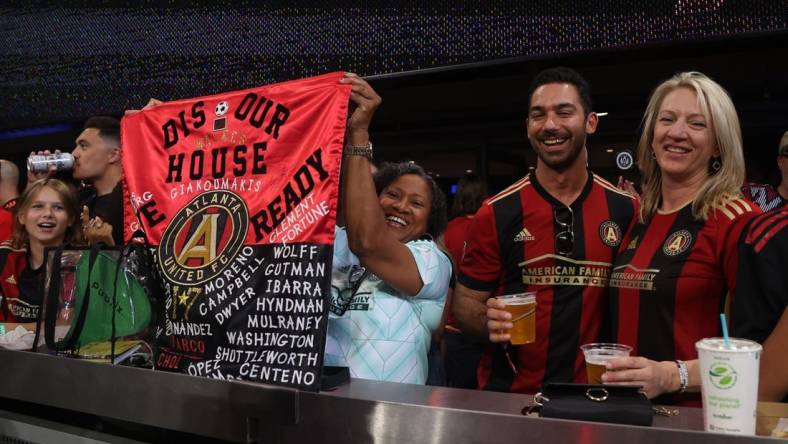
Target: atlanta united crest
{"x": 677, "y": 243}
{"x": 204, "y": 237}
{"x": 610, "y": 233}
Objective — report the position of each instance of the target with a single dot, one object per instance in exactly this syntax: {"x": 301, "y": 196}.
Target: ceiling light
{"x": 609, "y": 150}
{"x": 602, "y": 114}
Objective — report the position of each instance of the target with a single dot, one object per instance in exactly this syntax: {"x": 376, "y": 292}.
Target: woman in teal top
{"x": 389, "y": 278}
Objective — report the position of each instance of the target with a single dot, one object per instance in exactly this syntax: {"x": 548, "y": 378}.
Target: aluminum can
{"x": 39, "y": 163}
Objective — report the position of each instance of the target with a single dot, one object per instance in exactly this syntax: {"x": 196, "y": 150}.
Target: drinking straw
{"x": 725, "y": 336}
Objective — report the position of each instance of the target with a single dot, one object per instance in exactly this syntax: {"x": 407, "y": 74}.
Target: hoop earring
{"x": 716, "y": 164}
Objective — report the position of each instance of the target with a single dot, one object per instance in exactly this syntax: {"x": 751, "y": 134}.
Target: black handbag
{"x": 620, "y": 404}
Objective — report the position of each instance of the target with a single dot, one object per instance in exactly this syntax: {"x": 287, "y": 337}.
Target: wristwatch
{"x": 363, "y": 150}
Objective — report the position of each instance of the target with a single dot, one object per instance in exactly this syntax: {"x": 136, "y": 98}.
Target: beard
{"x": 561, "y": 162}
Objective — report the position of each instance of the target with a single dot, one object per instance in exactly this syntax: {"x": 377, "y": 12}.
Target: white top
{"x": 378, "y": 332}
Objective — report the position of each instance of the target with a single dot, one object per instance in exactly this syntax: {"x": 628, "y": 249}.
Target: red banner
{"x": 238, "y": 193}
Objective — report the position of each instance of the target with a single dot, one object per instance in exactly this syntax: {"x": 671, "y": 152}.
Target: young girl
{"x": 47, "y": 216}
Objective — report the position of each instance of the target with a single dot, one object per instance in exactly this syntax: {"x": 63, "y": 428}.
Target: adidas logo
{"x": 524, "y": 235}
{"x": 633, "y": 244}
{"x": 11, "y": 280}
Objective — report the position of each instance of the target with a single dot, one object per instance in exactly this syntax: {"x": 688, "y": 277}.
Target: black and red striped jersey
{"x": 21, "y": 287}
{"x": 762, "y": 281}
{"x": 671, "y": 279}
{"x": 511, "y": 248}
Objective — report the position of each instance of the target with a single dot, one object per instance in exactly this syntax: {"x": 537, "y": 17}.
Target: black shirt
{"x": 761, "y": 284}
{"x": 109, "y": 207}
{"x": 21, "y": 287}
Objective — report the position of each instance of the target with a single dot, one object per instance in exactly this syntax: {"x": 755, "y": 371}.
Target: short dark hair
{"x": 109, "y": 128}
{"x": 471, "y": 191}
{"x": 562, "y": 74}
{"x": 389, "y": 172}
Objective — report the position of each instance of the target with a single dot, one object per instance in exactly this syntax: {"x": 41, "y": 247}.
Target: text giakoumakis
{"x": 237, "y": 193}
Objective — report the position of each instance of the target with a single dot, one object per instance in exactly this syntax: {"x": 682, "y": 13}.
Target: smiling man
{"x": 97, "y": 162}
{"x": 554, "y": 232}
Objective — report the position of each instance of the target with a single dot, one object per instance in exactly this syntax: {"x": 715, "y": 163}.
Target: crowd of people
{"x": 651, "y": 269}
{"x": 51, "y": 212}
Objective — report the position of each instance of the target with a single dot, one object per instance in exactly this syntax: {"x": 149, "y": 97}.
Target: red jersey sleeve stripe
{"x": 757, "y": 227}
{"x": 775, "y": 225}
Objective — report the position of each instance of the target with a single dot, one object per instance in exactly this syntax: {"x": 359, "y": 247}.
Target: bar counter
{"x": 46, "y": 392}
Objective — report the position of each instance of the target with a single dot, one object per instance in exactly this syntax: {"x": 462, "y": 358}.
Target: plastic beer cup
{"x": 729, "y": 383}
{"x": 597, "y": 354}
{"x": 522, "y": 307}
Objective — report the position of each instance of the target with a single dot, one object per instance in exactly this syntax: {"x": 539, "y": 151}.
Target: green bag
{"x": 100, "y": 282}
{"x": 132, "y": 307}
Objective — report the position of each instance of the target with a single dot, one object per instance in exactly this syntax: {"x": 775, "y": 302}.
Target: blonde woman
{"x": 676, "y": 267}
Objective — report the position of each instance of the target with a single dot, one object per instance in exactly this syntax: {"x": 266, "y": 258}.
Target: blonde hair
{"x": 73, "y": 234}
{"x": 717, "y": 107}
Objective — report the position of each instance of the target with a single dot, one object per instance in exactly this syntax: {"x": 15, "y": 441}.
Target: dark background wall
{"x": 453, "y": 75}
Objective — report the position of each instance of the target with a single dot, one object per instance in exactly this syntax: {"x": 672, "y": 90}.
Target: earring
{"x": 716, "y": 164}
{"x": 653, "y": 155}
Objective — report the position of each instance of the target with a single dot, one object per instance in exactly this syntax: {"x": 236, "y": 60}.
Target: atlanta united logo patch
{"x": 677, "y": 243}
{"x": 204, "y": 237}
{"x": 610, "y": 233}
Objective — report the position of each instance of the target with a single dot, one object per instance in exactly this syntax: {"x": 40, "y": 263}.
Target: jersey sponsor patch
{"x": 20, "y": 308}
{"x": 354, "y": 287}
{"x": 677, "y": 243}
{"x": 553, "y": 269}
{"x": 610, "y": 233}
{"x": 629, "y": 276}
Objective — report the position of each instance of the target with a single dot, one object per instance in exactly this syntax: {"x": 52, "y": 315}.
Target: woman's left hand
{"x": 655, "y": 377}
